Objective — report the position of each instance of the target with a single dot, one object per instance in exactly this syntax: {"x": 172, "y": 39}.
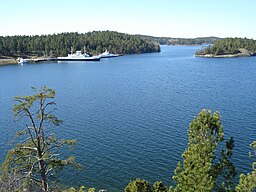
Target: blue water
{"x": 130, "y": 114}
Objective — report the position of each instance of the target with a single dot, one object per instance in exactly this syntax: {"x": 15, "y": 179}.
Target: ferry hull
{"x": 109, "y": 56}
{"x": 82, "y": 59}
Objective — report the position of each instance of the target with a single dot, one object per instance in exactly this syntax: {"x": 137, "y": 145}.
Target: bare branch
{"x": 48, "y": 170}
{"x": 30, "y": 148}
{"x": 31, "y": 136}
{"x": 49, "y": 103}
{"x": 23, "y": 157}
{"x": 32, "y": 120}
{"x": 54, "y": 146}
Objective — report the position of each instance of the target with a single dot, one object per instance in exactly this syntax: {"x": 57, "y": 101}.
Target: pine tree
{"x": 194, "y": 174}
{"x": 248, "y": 182}
{"x": 34, "y": 158}
{"x": 138, "y": 185}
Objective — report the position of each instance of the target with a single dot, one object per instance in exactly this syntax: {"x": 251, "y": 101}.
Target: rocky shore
{"x": 218, "y": 56}
{"x": 243, "y": 53}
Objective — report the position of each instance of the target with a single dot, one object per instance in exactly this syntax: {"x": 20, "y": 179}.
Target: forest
{"x": 180, "y": 41}
{"x": 230, "y": 46}
{"x": 61, "y": 44}
{"x": 192, "y": 41}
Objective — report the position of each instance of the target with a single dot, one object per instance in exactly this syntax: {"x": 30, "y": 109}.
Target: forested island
{"x": 229, "y": 47}
{"x": 180, "y": 41}
{"x": 94, "y": 43}
{"x": 60, "y": 44}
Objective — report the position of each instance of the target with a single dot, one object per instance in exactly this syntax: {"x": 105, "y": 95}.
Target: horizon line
{"x": 123, "y": 33}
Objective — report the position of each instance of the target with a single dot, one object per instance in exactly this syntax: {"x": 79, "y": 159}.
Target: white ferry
{"x": 78, "y": 56}
{"x": 106, "y": 54}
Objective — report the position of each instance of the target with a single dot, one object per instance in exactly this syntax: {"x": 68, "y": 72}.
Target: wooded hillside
{"x": 243, "y": 46}
{"x": 60, "y": 44}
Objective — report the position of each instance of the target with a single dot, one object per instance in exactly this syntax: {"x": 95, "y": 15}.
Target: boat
{"x": 106, "y": 54}
{"x": 78, "y": 56}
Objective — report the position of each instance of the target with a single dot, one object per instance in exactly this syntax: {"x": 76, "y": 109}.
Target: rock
{"x": 245, "y": 52}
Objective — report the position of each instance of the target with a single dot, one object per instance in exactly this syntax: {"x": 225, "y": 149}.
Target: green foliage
{"x": 10, "y": 182}
{"x": 92, "y": 190}
{"x": 194, "y": 174}
{"x": 193, "y": 41}
{"x": 230, "y": 46}
{"x": 138, "y": 185}
{"x": 248, "y": 182}
{"x": 60, "y": 44}
{"x": 180, "y": 41}
{"x": 81, "y": 189}
{"x": 200, "y": 170}
{"x": 223, "y": 171}
{"x": 35, "y": 157}
{"x": 159, "y": 187}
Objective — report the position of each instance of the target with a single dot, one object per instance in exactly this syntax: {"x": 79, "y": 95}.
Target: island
{"x": 57, "y": 45}
{"x": 229, "y": 48}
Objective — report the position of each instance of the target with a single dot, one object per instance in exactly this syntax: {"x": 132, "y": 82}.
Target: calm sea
{"x": 130, "y": 114}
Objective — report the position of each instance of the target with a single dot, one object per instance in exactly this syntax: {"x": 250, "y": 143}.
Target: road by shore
{"x": 13, "y": 61}
{"x": 8, "y": 61}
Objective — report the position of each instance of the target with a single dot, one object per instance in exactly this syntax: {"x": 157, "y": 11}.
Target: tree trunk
{"x": 43, "y": 175}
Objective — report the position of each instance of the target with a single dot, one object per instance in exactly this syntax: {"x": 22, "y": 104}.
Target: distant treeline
{"x": 230, "y": 46}
{"x": 60, "y": 44}
{"x": 180, "y": 41}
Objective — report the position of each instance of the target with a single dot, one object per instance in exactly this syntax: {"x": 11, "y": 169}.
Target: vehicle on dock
{"x": 21, "y": 61}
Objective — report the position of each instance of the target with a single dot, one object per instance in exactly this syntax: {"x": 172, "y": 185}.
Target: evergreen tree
{"x": 34, "y": 158}
{"x": 194, "y": 174}
{"x": 248, "y": 182}
{"x": 138, "y": 185}
{"x": 159, "y": 187}
{"x": 59, "y": 44}
{"x": 224, "y": 171}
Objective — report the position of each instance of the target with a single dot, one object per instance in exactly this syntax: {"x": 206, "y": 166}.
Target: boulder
{"x": 245, "y": 52}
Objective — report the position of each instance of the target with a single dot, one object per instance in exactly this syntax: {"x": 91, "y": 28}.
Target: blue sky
{"x": 169, "y": 18}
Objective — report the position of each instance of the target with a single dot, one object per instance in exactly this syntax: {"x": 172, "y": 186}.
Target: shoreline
{"x": 180, "y": 45}
{"x": 8, "y": 62}
{"x": 15, "y": 62}
{"x": 223, "y": 56}
{"x": 242, "y": 53}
